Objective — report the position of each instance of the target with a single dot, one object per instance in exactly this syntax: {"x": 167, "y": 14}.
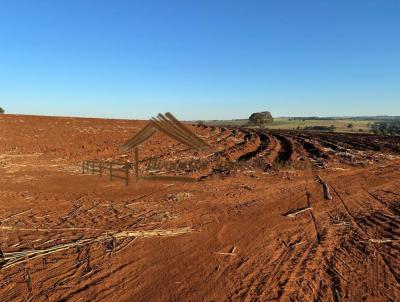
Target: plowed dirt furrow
{"x": 332, "y": 145}
{"x": 237, "y": 147}
{"x": 272, "y": 150}
{"x": 354, "y": 142}
{"x": 340, "y": 145}
{"x": 264, "y": 141}
{"x": 286, "y": 150}
{"x": 313, "y": 151}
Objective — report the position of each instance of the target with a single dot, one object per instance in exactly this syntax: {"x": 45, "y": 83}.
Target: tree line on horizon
{"x": 386, "y": 128}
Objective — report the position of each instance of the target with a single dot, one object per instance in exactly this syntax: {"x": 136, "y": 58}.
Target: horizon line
{"x": 199, "y": 119}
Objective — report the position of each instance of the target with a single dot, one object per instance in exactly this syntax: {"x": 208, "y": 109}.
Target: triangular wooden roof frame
{"x": 171, "y": 127}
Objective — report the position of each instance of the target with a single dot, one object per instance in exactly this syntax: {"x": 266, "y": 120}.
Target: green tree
{"x": 260, "y": 119}
{"x": 1, "y": 110}
{"x": 386, "y": 128}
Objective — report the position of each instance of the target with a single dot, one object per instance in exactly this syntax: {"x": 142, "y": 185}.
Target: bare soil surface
{"x": 239, "y": 234}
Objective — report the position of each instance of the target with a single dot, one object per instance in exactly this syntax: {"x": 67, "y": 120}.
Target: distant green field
{"x": 292, "y": 124}
{"x": 341, "y": 125}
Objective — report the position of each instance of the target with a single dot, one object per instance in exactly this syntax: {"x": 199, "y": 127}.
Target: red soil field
{"x": 237, "y": 234}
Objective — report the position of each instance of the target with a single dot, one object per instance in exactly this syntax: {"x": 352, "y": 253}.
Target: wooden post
{"x": 137, "y": 163}
{"x": 110, "y": 171}
{"x": 101, "y": 167}
{"x": 83, "y": 167}
{"x": 93, "y": 167}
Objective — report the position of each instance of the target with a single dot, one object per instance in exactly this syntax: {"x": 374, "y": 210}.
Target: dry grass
{"x": 15, "y": 258}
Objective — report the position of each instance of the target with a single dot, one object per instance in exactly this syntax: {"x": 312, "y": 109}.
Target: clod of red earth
{"x": 68, "y": 236}
{"x": 178, "y": 196}
{"x": 247, "y": 187}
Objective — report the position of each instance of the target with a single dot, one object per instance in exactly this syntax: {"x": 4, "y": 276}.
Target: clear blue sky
{"x": 200, "y": 59}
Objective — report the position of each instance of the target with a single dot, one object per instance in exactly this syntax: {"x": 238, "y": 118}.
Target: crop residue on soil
{"x": 329, "y": 232}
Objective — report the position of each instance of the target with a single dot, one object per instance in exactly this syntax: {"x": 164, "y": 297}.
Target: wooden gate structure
{"x": 171, "y": 127}
{"x": 115, "y": 169}
{"x": 166, "y": 124}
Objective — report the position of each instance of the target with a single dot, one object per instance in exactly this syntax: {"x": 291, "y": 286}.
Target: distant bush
{"x": 386, "y": 128}
{"x": 2, "y": 110}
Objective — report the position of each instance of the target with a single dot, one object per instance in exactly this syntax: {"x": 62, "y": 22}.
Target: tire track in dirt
{"x": 282, "y": 268}
{"x": 391, "y": 206}
{"x": 322, "y": 271}
{"x": 364, "y": 230}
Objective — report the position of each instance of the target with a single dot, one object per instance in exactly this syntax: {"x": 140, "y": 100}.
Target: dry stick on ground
{"x": 391, "y": 192}
{"x": 295, "y": 212}
{"x": 12, "y": 228}
{"x": 385, "y": 240}
{"x": 327, "y": 194}
{"x": 147, "y": 195}
{"x": 14, "y": 215}
{"x": 317, "y": 235}
{"x": 28, "y": 281}
{"x": 1, "y": 257}
{"x": 15, "y": 258}
{"x": 71, "y": 213}
{"x": 231, "y": 253}
{"x": 123, "y": 246}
